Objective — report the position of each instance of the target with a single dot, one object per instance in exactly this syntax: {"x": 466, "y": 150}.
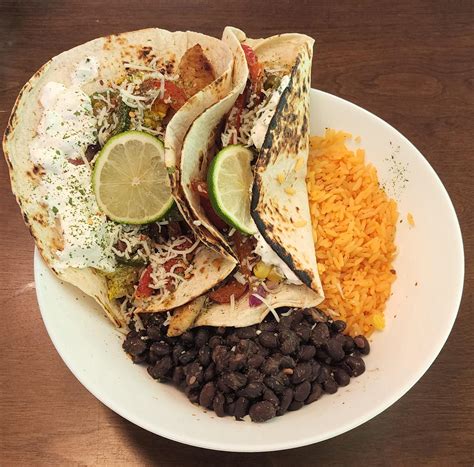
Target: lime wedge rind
{"x": 229, "y": 182}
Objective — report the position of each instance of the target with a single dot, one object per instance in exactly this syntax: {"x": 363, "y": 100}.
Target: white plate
{"x": 419, "y": 317}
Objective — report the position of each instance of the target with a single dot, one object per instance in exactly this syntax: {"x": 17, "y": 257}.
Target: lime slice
{"x": 130, "y": 180}
{"x": 229, "y": 182}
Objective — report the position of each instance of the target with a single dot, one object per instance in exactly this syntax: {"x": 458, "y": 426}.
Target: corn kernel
{"x": 299, "y": 163}
{"x": 379, "y": 321}
{"x": 274, "y": 275}
{"x": 261, "y": 270}
{"x": 300, "y": 223}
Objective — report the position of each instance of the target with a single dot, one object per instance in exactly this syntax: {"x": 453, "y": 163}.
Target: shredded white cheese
{"x": 270, "y": 308}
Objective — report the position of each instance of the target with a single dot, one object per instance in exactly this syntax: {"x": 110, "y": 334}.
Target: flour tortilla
{"x": 111, "y": 53}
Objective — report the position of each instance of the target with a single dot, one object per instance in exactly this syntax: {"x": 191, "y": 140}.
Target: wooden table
{"x": 410, "y": 62}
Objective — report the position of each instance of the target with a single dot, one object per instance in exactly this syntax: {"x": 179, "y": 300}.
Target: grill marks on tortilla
{"x": 279, "y": 214}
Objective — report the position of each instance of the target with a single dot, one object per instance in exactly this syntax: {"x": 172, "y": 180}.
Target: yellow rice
{"x": 354, "y": 224}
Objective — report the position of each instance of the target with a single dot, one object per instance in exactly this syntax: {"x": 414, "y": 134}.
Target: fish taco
{"x": 88, "y": 122}
{"x": 241, "y": 175}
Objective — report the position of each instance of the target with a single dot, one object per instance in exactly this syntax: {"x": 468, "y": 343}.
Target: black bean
{"x": 320, "y": 334}
{"x": 222, "y": 385}
{"x": 153, "y": 319}
{"x": 295, "y": 405}
{"x": 188, "y": 338}
{"x": 232, "y": 339}
{"x": 241, "y": 408}
{"x": 220, "y": 331}
{"x": 315, "y": 369}
{"x": 362, "y": 345}
{"x": 330, "y": 386}
{"x": 324, "y": 374}
{"x": 230, "y": 408}
{"x": 230, "y": 397}
{"x": 303, "y": 331}
{"x": 271, "y": 365}
{"x": 302, "y": 391}
{"x": 275, "y": 383}
{"x": 204, "y": 355}
{"x": 348, "y": 344}
{"x": 285, "y": 400}
{"x": 289, "y": 341}
{"x": 334, "y": 350}
{"x": 159, "y": 349}
{"x": 194, "y": 374}
{"x": 356, "y": 365}
{"x": 301, "y": 373}
{"x": 269, "y": 326}
{"x": 220, "y": 357}
{"x": 247, "y": 347}
{"x": 252, "y": 390}
{"x": 285, "y": 322}
{"x": 134, "y": 344}
{"x": 235, "y": 380}
{"x": 237, "y": 361}
{"x": 306, "y": 352}
{"x": 206, "y": 396}
{"x": 192, "y": 394}
{"x": 210, "y": 372}
{"x": 338, "y": 326}
{"x": 215, "y": 341}
{"x": 144, "y": 357}
{"x": 187, "y": 356}
{"x": 270, "y": 396}
{"x": 296, "y": 318}
{"x": 287, "y": 362}
{"x": 178, "y": 349}
{"x": 154, "y": 332}
{"x": 178, "y": 375}
{"x": 201, "y": 337}
{"x": 341, "y": 377}
{"x": 255, "y": 361}
{"x": 316, "y": 393}
{"x": 254, "y": 376}
{"x": 218, "y": 404}
{"x": 323, "y": 356}
{"x": 262, "y": 411}
{"x": 161, "y": 368}
{"x": 268, "y": 340}
{"x": 248, "y": 332}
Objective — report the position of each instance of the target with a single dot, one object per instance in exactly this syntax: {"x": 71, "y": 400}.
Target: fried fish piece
{"x": 195, "y": 71}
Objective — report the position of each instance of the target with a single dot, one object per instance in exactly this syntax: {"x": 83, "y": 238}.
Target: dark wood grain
{"x": 411, "y": 63}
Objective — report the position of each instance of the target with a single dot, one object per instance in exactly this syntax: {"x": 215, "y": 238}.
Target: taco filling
{"x": 260, "y": 269}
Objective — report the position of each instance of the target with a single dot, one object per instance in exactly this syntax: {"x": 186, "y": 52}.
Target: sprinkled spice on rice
{"x": 354, "y": 224}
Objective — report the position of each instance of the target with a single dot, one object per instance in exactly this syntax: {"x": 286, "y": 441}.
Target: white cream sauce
{"x": 268, "y": 256}
{"x": 260, "y": 127}
{"x": 66, "y": 128}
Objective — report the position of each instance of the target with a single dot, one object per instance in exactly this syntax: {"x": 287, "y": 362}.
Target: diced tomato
{"x": 222, "y": 294}
{"x": 255, "y": 68}
{"x": 173, "y": 93}
{"x": 143, "y": 289}
{"x": 188, "y": 243}
{"x": 176, "y": 94}
{"x": 200, "y": 188}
